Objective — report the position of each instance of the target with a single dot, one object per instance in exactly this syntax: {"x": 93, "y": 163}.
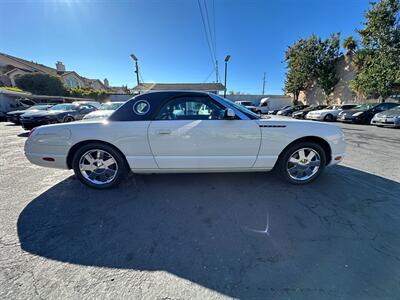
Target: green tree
{"x": 350, "y": 44}
{"x": 328, "y": 53}
{"x": 378, "y": 62}
{"x": 41, "y": 84}
{"x": 301, "y": 59}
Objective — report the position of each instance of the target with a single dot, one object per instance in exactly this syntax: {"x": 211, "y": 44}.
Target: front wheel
{"x": 328, "y": 118}
{"x": 68, "y": 119}
{"x": 99, "y": 166}
{"x": 301, "y": 163}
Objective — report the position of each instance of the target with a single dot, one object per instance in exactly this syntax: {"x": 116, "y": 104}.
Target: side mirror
{"x": 230, "y": 113}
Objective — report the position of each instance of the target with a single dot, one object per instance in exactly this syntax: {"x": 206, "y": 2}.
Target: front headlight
{"x": 357, "y": 114}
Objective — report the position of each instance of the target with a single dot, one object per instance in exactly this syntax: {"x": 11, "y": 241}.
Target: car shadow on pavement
{"x": 244, "y": 235}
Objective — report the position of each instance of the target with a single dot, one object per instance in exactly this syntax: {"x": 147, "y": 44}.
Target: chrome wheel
{"x": 98, "y": 166}
{"x": 303, "y": 164}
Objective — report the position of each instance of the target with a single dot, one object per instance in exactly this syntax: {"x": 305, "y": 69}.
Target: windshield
{"x": 65, "y": 107}
{"x": 365, "y": 106}
{"x": 38, "y": 107}
{"x": 395, "y": 108}
{"x": 243, "y": 109}
{"x": 110, "y": 106}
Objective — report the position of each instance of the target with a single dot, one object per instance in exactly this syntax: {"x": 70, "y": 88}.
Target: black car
{"x": 59, "y": 113}
{"x": 275, "y": 111}
{"x": 363, "y": 114}
{"x": 288, "y": 111}
{"x": 14, "y": 116}
{"x": 301, "y": 114}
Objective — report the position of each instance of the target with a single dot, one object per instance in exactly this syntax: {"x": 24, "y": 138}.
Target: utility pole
{"x": 216, "y": 71}
{"x": 263, "y": 91}
{"x": 226, "y": 71}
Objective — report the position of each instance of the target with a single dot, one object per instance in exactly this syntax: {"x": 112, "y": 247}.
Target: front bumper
{"x": 314, "y": 117}
{"x": 386, "y": 122}
{"x": 29, "y": 124}
{"x": 298, "y": 116}
{"x": 348, "y": 119}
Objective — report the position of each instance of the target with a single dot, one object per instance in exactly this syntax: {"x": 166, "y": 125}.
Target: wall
{"x": 342, "y": 92}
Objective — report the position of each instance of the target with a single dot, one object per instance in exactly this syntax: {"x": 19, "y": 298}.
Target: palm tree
{"x": 350, "y": 44}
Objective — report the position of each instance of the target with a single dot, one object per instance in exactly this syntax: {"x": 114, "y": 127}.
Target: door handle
{"x": 164, "y": 131}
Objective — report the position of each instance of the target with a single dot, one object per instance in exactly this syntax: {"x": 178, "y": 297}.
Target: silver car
{"x": 387, "y": 118}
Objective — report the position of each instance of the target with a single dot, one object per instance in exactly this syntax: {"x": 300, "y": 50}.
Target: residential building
{"x": 11, "y": 67}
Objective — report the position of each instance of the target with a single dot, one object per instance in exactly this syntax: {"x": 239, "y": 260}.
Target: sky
{"x": 95, "y": 38}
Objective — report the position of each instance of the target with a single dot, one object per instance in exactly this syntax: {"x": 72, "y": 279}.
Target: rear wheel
{"x": 99, "y": 166}
{"x": 301, "y": 163}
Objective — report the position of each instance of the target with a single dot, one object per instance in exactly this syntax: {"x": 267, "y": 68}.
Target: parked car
{"x": 249, "y": 105}
{"x": 275, "y": 111}
{"x": 363, "y": 114}
{"x": 330, "y": 113}
{"x": 60, "y": 113}
{"x": 288, "y": 111}
{"x": 9, "y": 102}
{"x": 269, "y": 104}
{"x": 105, "y": 110}
{"x": 387, "y": 118}
{"x": 164, "y": 132}
{"x": 14, "y": 116}
{"x": 301, "y": 114}
{"x": 92, "y": 103}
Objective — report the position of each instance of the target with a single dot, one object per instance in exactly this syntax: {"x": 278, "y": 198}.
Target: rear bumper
{"x": 60, "y": 161}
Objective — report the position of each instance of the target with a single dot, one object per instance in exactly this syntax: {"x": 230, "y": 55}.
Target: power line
{"x": 209, "y": 75}
{"x": 213, "y": 58}
{"x": 209, "y": 28}
{"x": 215, "y": 42}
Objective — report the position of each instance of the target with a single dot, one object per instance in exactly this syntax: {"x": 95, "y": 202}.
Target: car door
{"x": 192, "y": 132}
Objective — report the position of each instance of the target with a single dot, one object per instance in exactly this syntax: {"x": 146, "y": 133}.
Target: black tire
{"x": 281, "y": 166}
{"x": 328, "y": 118}
{"x": 68, "y": 119}
{"x": 122, "y": 166}
{"x": 258, "y": 112}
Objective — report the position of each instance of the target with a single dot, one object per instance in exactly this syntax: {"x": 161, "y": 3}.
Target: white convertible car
{"x": 178, "y": 131}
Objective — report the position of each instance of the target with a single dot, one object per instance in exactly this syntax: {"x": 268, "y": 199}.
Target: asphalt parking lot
{"x": 204, "y": 236}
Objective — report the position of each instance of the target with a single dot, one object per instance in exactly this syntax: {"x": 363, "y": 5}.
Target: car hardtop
{"x": 155, "y": 100}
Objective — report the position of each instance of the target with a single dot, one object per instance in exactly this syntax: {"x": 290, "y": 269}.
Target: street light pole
{"x": 263, "y": 91}
{"x": 136, "y": 68}
{"x": 226, "y": 71}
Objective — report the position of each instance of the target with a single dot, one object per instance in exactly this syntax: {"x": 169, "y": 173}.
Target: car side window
{"x": 191, "y": 108}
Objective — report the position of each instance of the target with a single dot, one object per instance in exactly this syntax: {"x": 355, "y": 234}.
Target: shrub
{"x": 41, "y": 84}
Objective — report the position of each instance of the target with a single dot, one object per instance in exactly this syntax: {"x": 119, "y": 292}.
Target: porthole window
{"x": 141, "y": 107}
